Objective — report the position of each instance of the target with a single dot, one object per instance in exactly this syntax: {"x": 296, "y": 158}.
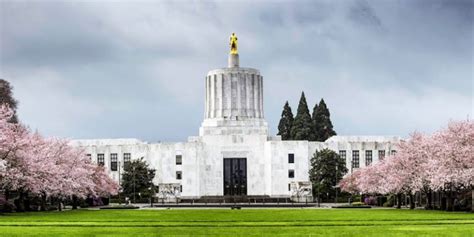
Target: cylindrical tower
{"x": 234, "y": 96}
{"x": 234, "y": 93}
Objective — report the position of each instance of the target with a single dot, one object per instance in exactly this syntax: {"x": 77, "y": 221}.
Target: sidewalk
{"x": 234, "y": 205}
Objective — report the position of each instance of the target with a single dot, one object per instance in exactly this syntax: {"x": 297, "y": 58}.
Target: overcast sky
{"x": 136, "y": 70}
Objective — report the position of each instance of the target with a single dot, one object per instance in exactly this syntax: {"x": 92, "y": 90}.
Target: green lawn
{"x": 245, "y": 222}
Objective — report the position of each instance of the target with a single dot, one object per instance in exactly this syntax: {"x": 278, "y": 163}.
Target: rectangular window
{"x": 179, "y": 159}
{"x": 289, "y": 187}
{"x": 291, "y": 158}
{"x": 355, "y": 159}
{"x": 89, "y": 156}
{"x": 113, "y": 161}
{"x": 342, "y": 154}
{"x": 100, "y": 159}
{"x": 393, "y": 152}
{"x": 291, "y": 173}
{"x": 178, "y": 175}
{"x": 368, "y": 157}
{"x": 126, "y": 159}
{"x": 381, "y": 154}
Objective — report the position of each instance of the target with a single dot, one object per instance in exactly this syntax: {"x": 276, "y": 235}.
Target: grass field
{"x": 245, "y": 222}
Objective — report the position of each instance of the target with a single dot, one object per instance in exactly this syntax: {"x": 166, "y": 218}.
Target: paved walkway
{"x": 230, "y": 205}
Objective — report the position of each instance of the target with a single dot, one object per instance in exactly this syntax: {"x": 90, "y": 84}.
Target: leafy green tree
{"x": 301, "y": 129}
{"x": 286, "y": 122}
{"x": 327, "y": 168}
{"x": 137, "y": 178}
{"x": 322, "y": 122}
{"x": 6, "y": 97}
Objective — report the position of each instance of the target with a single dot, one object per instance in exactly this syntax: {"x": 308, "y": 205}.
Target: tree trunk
{"x": 449, "y": 201}
{"x": 472, "y": 199}
{"x": 26, "y": 202}
{"x": 412, "y": 202}
{"x": 437, "y": 204}
{"x": 399, "y": 200}
{"x": 443, "y": 201}
{"x": 43, "y": 202}
{"x": 20, "y": 202}
{"x": 429, "y": 205}
{"x": 74, "y": 202}
{"x": 60, "y": 208}
{"x": 7, "y": 194}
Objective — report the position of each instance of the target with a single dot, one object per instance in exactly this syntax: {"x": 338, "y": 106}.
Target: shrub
{"x": 7, "y": 207}
{"x": 370, "y": 201}
{"x": 96, "y": 201}
{"x": 381, "y": 200}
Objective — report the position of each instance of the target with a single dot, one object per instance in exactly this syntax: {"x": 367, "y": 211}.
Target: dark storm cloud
{"x": 128, "y": 69}
{"x": 38, "y": 34}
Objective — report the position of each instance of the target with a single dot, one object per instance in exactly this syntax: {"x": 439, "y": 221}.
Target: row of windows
{"x": 291, "y": 160}
{"x": 126, "y": 160}
{"x": 113, "y": 160}
{"x": 368, "y": 156}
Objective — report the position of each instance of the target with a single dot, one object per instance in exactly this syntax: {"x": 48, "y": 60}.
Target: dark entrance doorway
{"x": 235, "y": 176}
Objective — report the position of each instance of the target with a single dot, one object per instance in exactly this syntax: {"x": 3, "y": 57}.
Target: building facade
{"x": 234, "y": 153}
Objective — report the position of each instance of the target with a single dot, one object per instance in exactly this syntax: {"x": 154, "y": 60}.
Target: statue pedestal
{"x": 233, "y": 60}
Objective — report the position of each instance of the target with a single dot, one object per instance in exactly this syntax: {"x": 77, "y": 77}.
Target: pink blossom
{"x": 46, "y": 166}
{"x": 442, "y": 160}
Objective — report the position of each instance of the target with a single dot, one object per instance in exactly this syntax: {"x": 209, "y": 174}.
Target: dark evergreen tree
{"x": 301, "y": 129}
{"x": 137, "y": 178}
{"x": 322, "y": 123}
{"x": 314, "y": 136}
{"x": 326, "y": 170}
{"x": 286, "y": 122}
{"x": 6, "y": 97}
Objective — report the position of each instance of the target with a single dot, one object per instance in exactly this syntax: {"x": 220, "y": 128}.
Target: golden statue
{"x": 233, "y": 44}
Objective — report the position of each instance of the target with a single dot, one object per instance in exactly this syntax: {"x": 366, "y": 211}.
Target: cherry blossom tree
{"x": 350, "y": 183}
{"x": 451, "y": 167}
{"x": 443, "y": 162}
{"x": 46, "y": 167}
{"x": 14, "y": 141}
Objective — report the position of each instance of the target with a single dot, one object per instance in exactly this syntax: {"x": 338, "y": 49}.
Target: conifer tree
{"x": 6, "y": 97}
{"x": 322, "y": 120}
{"x": 301, "y": 129}
{"x": 314, "y": 135}
{"x": 286, "y": 122}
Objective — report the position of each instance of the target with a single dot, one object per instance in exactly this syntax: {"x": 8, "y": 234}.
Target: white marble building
{"x": 234, "y": 154}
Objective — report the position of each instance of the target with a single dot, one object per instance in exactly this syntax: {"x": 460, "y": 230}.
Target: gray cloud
{"x": 123, "y": 69}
